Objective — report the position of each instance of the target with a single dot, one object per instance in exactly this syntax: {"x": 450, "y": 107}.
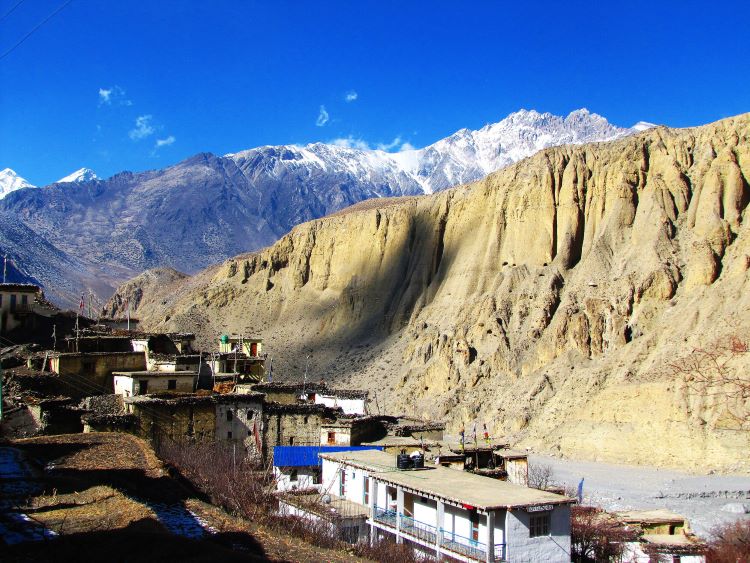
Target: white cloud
{"x": 322, "y": 117}
{"x": 350, "y": 96}
{"x": 105, "y": 96}
{"x": 350, "y": 143}
{"x": 113, "y": 95}
{"x": 165, "y": 142}
{"x": 388, "y": 146}
{"x": 406, "y": 147}
{"x": 142, "y": 129}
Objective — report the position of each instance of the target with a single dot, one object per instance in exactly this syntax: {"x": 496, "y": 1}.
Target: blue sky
{"x": 143, "y": 84}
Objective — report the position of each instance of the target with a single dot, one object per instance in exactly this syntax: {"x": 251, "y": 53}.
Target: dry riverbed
{"x": 705, "y": 500}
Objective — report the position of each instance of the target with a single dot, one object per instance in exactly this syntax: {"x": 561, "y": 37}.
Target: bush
{"x": 730, "y": 543}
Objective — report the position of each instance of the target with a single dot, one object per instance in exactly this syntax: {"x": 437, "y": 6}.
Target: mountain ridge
{"x": 207, "y": 208}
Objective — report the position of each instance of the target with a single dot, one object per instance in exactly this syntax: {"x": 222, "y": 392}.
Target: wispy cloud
{"x": 388, "y": 146}
{"x": 113, "y": 96}
{"x": 350, "y": 96}
{"x": 406, "y": 147}
{"x": 142, "y": 129}
{"x": 165, "y": 142}
{"x": 322, "y": 117}
{"x": 350, "y": 143}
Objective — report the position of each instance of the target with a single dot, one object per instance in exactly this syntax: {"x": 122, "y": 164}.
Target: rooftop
{"x": 457, "y": 486}
{"x": 26, "y": 287}
{"x": 657, "y": 516}
{"x": 156, "y": 373}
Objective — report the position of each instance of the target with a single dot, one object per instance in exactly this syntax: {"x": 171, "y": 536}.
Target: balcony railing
{"x": 473, "y": 549}
{"x": 449, "y": 541}
{"x": 387, "y": 517}
{"x": 420, "y": 530}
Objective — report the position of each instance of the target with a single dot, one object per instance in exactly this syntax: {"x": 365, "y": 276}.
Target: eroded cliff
{"x": 546, "y": 300}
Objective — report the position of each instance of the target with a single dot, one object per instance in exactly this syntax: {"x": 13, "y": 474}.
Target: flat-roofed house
{"x": 132, "y": 383}
{"x": 442, "y": 512}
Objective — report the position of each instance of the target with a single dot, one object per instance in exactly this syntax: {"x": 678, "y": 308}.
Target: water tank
{"x": 224, "y": 339}
{"x": 403, "y": 461}
{"x": 418, "y": 461}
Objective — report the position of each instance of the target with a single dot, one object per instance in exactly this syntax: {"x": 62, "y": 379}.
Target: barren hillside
{"x": 545, "y": 300}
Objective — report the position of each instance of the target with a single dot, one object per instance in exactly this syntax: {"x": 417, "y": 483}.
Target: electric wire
{"x": 9, "y": 12}
{"x": 36, "y": 27}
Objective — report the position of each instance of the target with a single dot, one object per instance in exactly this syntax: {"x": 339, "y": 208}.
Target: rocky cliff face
{"x": 545, "y": 300}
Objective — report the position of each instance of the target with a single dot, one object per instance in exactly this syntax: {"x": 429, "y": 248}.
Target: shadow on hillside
{"x": 369, "y": 311}
{"x": 175, "y": 534}
{"x": 143, "y": 540}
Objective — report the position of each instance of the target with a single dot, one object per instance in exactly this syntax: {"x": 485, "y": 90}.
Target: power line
{"x": 40, "y": 24}
{"x": 9, "y": 12}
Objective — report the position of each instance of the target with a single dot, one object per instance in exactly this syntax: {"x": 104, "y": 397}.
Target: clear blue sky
{"x": 222, "y": 76}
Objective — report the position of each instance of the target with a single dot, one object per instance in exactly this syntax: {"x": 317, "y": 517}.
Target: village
{"x": 327, "y": 454}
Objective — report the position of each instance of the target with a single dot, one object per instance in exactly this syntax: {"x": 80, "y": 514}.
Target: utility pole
{"x": 54, "y": 337}
{"x": 5, "y": 267}
{"x": 304, "y": 378}
{"x": 90, "y": 297}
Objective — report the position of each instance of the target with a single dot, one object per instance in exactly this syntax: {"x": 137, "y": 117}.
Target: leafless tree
{"x": 718, "y": 376}
{"x": 730, "y": 543}
{"x": 597, "y": 536}
{"x": 539, "y": 476}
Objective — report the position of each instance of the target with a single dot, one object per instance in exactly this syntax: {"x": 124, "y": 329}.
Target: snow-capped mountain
{"x": 10, "y": 182}
{"x": 79, "y": 176}
{"x": 462, "y": 157}
{"x": 209, "y": 208}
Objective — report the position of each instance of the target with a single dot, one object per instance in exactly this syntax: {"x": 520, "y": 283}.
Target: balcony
{"x": 428, "y": 534}
{"x": 469, "y": 548}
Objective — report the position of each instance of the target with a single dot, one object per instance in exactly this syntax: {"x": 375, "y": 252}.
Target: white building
{"x": 351, "y": 402}
{"x": 132, "y": 383}
{"x": 439, "y": 511}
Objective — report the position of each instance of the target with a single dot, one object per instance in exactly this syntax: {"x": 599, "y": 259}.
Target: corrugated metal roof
{"x": 305, "y": 456}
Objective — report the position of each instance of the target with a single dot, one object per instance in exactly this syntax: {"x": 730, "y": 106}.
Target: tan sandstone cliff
{"x": 545, "y": 300}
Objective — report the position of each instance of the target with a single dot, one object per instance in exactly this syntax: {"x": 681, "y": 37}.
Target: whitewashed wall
{"x": 305, "y": 478}
{"x": 350, "y": 406}
{"x": 554, "y": 548}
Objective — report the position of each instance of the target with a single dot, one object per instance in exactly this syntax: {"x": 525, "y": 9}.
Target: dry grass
{"x": 97, "y": 495}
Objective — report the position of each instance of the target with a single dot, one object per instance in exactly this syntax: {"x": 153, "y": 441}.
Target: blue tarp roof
{"x": 305, "y": 456}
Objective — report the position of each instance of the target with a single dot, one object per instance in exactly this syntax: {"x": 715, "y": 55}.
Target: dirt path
{"x": 699, "y": 498}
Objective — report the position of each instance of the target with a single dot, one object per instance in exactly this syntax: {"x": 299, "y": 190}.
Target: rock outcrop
{"x": 546, "y": 300}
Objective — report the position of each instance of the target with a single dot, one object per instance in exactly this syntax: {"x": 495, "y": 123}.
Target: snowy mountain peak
{"x": 10, "y": 182}
{"x": 79, "y": 176}
{"x": 642, "y": 126}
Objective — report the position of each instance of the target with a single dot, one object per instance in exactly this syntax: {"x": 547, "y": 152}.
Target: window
{"x": 229, "y": 435}
{"x": 366, "y": 489}
{"x": 331, "y": 437}
{"x": 474, "y": 519}
{"x": 229, "y": 415}
{"x": 539, "y": 525}
{"x": 316, "y": 477}
{"x": 172, "y": 384}
{"x": 291, "y": 440}
{"x": 293, "y": 475}
{"x": 142, "y": 386}
{"x": 24, "y": 299}
{"x": 342, "y": 483}
{"x": 12, "y": 303}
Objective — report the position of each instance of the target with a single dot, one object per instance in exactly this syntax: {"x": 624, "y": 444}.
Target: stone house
{"x": 239, "y": 419}
{"x": 131, "y": 383}
{"x": 95, "y": 369}
{"x": 17, "y": 303}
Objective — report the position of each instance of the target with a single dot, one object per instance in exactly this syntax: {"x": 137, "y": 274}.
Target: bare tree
{"x": 730, "y": 543}
{"x": 539, "y": 476}
{"x": 597, "y": 536}
{"x": 717, "y": 377}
